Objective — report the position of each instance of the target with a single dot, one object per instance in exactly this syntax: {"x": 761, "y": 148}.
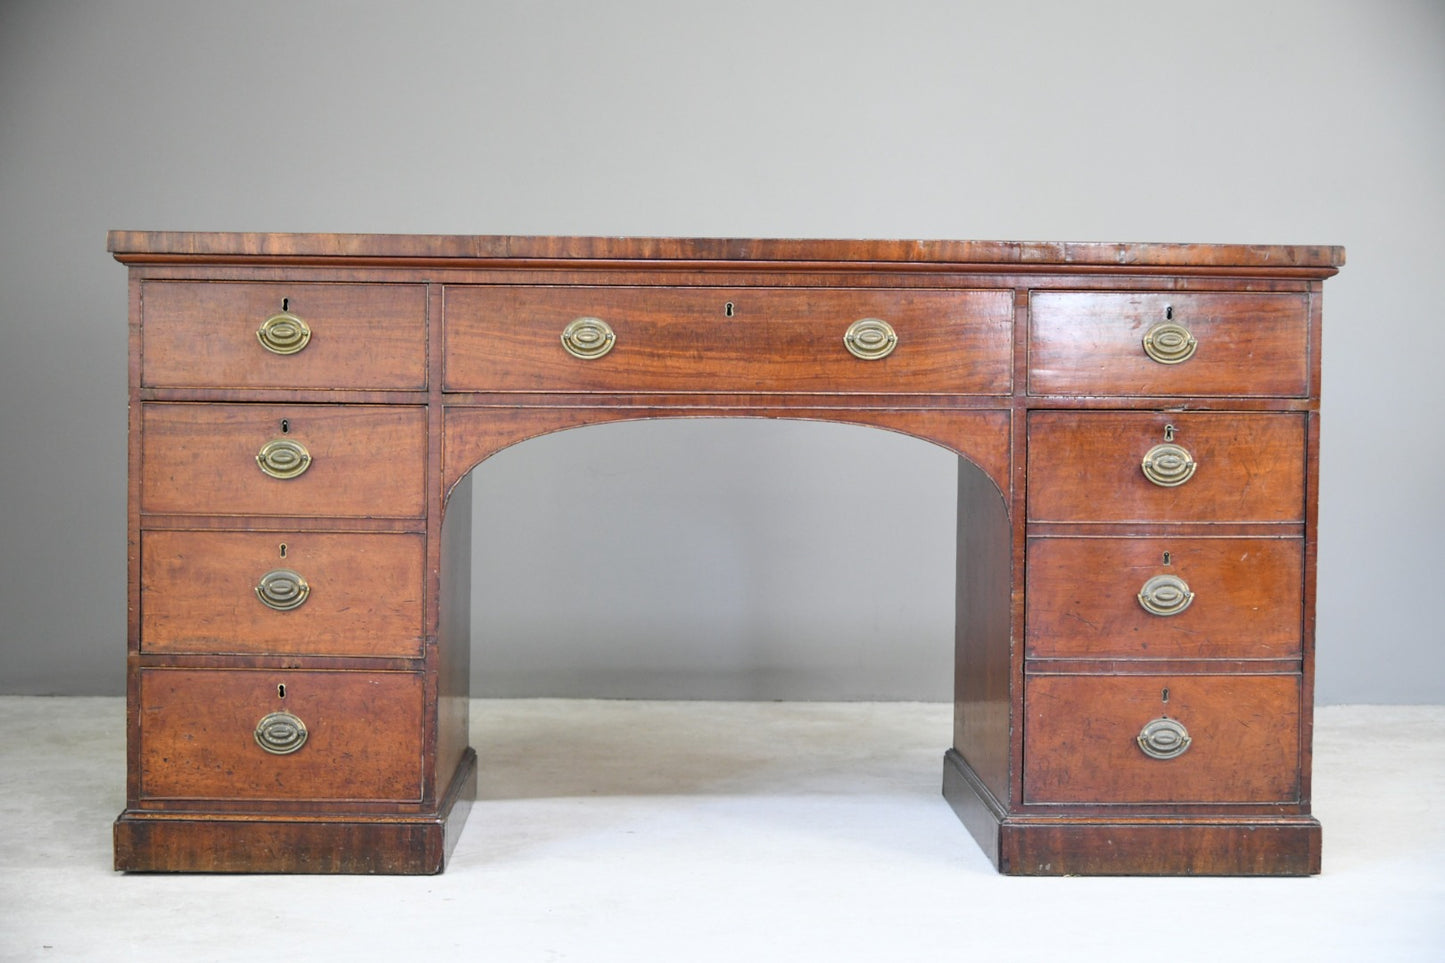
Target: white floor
{"x": 647, "y": 831}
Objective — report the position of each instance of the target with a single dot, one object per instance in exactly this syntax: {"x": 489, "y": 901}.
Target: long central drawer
{"x": 509, "y": 338}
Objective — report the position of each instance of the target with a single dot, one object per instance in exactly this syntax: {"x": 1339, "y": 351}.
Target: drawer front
{"x": 364, "y": 460}
{"x": 205, "y": 335}
{"x": 198, "y": 735}
{"x": 1088, "y": 343}
{"x": 1216, "y": 598}
{"x": 298, "y": 593}
{"x": 1081, "y": 739}
{"x": 503, "y": 338}
{"x": 1087, "y": 467}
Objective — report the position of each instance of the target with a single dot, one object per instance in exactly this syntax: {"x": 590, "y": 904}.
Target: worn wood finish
{"x": 474, "y": 434}
{"x": 1084, "y": 598}
{"x": 1086, "y": 467}
{"x": 728, "y": 340}
{"x": 201, "y": 459}
{"x": 1082, "y": 733}
{"x": 365, "y": 595}
{"x": 429, "y": 354}
{"x": 1092, "y": 343}
{"x": 1266, "y": 259}
{"x": 188, "y": 842}
{"x": 454, "y": 642}
{"x": 362, "y": 335}
{"x": 198, "y": 735}
{"x": 983, "y": 598}
{"x": 1268, "y": 846}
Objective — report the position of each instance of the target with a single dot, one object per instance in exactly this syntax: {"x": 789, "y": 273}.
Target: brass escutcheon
{"x": 870, "y": 339}
{"x": 283, "y": 458}
{"x": 282, "y": 589}
{"x": 1164, "y": 738}
{"x": 280, "y": 733}
{"x": 1169, "y": 343}
{"x": 588, "y": 338}
{"x": 1168, "y": 465}
{"x": 283, "y": 333}
{"x": 1165, "y": 595}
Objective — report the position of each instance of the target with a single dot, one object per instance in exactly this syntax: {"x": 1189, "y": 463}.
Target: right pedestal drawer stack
{"x": 1166, "y": 564}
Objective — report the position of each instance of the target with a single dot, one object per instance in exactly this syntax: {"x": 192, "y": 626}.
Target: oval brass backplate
{"x": 1165, "y": 595}
{"x": 1169, "y": 343}
{"x": 283, "y": 333}
{"x": 1168, "y": 465}
{"x": 1164, "y": 738}
{"x": 280, "y": 733}
{"x": 588, "y": 338}
{"x": 282, "y": 589}
{"x": 870, "y": 339}
{"x": 283, "y": 458}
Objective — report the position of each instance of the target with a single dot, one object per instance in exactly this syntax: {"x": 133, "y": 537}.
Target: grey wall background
{"x": 722, "y": 559}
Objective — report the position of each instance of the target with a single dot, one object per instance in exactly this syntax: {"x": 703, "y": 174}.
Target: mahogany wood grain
{"x": 1083, "y": 598}
{"x": 1091, "y": 343}
{"x": 200, "y": 595}
{"x": 1082, "y": 733}
{"x": 357, "y": 843}
{"x": 1311, "y": 562}
{"x": 197, "y": 738}
{"x": 1258, "y": 846}
{"x": 429, "y": 354}
{"x": 505, "y": 338}
{"x": 983, "y": 600}
{"x": 473, "y": 434}
{"x": 1085, "y": 467}
{"x": 173, "y": 246}
{"x": 201, "y": 459}
{"x": 454, "y": 637}
{"x": 197, "y": 843}
{"x": 203, "y": 334}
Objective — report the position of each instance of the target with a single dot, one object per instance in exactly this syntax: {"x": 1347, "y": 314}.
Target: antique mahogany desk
{"x": 1137, "y": 429}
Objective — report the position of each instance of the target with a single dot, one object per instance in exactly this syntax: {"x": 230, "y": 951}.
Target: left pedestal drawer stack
{"x": 278, "y": 672}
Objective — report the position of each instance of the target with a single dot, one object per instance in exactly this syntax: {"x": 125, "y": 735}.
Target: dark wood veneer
{"x": 431, "y": 353}
{"x": 365, "y": 593}
{"x": 1084, "y": 597}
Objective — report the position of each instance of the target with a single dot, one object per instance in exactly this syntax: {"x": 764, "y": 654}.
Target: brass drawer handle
{"x": 1164, "y": 738}
{"x": 1168, "y": 465}
{"x": 870, "y": 339}
{"x": 1169, "y": 343}
{"x": 282, "y": 589}
{"x": 283, "y": 333}
{"x": 280, "y": 733}
{"x": 1165, "y": 595}
{"x": 283, "y": 458}
{"x": 588, "y": 338}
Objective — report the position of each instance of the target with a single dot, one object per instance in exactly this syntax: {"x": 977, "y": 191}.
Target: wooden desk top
{"x": 168, "y": 246}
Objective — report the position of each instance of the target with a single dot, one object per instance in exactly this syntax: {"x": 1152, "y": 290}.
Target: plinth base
{"x": 1028, "y": 845}
{"x": 289, "y": 843}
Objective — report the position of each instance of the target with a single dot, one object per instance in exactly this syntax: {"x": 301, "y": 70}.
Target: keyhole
{"x": 1168, "y": 432}
{"x": 285, "y": 426}
{"x": 281, "y": 691}
{"x": 1164, "y": 695}
{"x": 283, "y": 552}
{"x": 1167, "y": 560}
{"x": 728, "y": 310}
{"x": 285, "y": 304}
{"x": 1168, "y": 312}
